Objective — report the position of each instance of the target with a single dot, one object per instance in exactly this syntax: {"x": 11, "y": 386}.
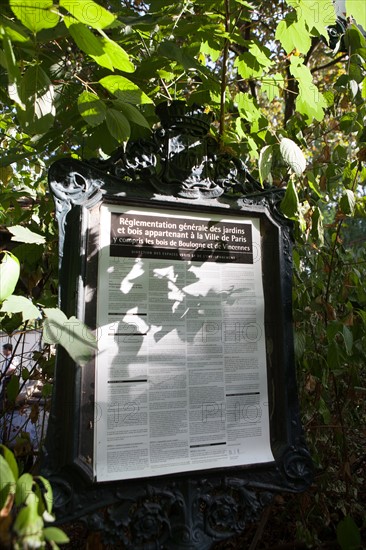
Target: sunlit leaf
{"x": 357, "y": 10}
{"x": 71, "y": 334}
{"x": 10, "y": 459}
{"x": 91, "y": 108}
{"x": 56, "y": 535}
{"x": 9, "y": 275}
{"x": 24, "y": 235}
{"x": 347, "y": 202}
{"x": 265, "y": 162}
{"x": 124, "y": 89}
{"x": 89, "y": 12}
{"x": 293, "y": 156}
{"x": 38, "y": 95}
{"x": 293, "y": 35}
{"x": 35, "y": 15}
{"x": 20, "y": 304}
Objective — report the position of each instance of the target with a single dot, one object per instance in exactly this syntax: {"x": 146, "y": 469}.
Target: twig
{"x": 262, "y": 524}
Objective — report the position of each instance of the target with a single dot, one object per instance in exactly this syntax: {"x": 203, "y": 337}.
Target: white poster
{"x": 181, "y": 375}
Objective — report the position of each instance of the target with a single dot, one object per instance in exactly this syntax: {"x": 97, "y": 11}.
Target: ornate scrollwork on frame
{"x": 181, "y": 158}
{"x": 70, "y": 187}
{"x": 298, "y": 467}
{"x": 227, "y": 508}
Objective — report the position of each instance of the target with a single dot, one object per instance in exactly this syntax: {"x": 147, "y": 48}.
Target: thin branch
{"x": 333, "y": 62}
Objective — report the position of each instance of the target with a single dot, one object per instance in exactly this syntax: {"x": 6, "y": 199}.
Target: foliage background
{"x": 80, "y": 78}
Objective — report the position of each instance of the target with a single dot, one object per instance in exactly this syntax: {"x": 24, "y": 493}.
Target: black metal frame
{"x": 187, "y": 510}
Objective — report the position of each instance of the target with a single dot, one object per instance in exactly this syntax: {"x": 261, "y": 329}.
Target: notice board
{"x": 185, "y": 421}
{"x": 181, "y": 375}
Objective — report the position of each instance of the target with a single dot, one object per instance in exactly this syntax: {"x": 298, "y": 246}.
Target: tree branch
{"x": 333, "y": 62}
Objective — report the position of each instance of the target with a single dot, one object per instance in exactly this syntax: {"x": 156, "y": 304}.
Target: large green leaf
{"x": 317, "y": 16}
{"x": 132, "y": 113}
{"x": 56, "y": 535}
{"x": 9, "y": 275}
{"x": 290, "y": 203}
{"x": 71, "y": 334}
{"x": 20, "y": 304}
{"x": 38, "y": 95}
{"x": 293, "y": 35}
{"x": 118, "y": 125}
{"x": 293, "y": 156}
{"x": 91, "y": 108}
{"x": 116, "y": 55}
{"x": 348, "y": 534}
{"x": 23, "y": 488}
{"x": 84, "y": 38}
{"x": 124, "y": 89}
{"x": 10, "y": 459}
{"x": 265, "y": 162}
{"x": 28, "y": 525}
{"x": 347, "y": 202}
{"x": 14, "y": 76}
{"x": 35, "y": 15}
{"x": 24, "y": 235}
{"x": 7, "y": 485}
{"x": 88, "y": 12}
{"x": 357, "y": 9}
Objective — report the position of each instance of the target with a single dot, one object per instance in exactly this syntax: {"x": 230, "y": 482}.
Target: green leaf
{"x": 317, "y": 229}
{"x": 24, "y": 235}
{"x": 20, "y": 304}
{"x": 23, "y": 488}
{"x": 35, "y": 15}
{"x": 290, "y": 202}
{"x": 124, "y": 89}
{"x": 271, "y": 85}
{"x": 347, "y": 202}
{"x": 247, "y": 107}
{"x": 265, "y": 162}
{"x": 324, "y": 411}
{"x": 9, "y": 275}
{"x": 88, "y": 12}
{"x": 14, "y": 76}
{"x": 56, "y": 535}
{"x": 118, "y": 125}
{"x": 10, "y": 459}
{"x": 91, "y": 108}
{"x": 15, "y": 32}
{"x": 293, "y": 156}
{"x": 45, "y": 494}
{"x": 348, "y": 534}
{"x": 117, "y": 56}
{"x": 293, "y": 35}
{"x": 357, "y": 10}
{"x": 310, "y": 102}
{"x": 348, "y": 339}
{"x": 71, "y": 334}
{"x": 315, "y": 15}
{"x": 132, "y": 113}
{"x": 38, "y": 95}
{"x": 28, "y": 525}
{"x": 7, "y": 485}
{"x": 354, "y": 40}
{"x": 84, "y": 38}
